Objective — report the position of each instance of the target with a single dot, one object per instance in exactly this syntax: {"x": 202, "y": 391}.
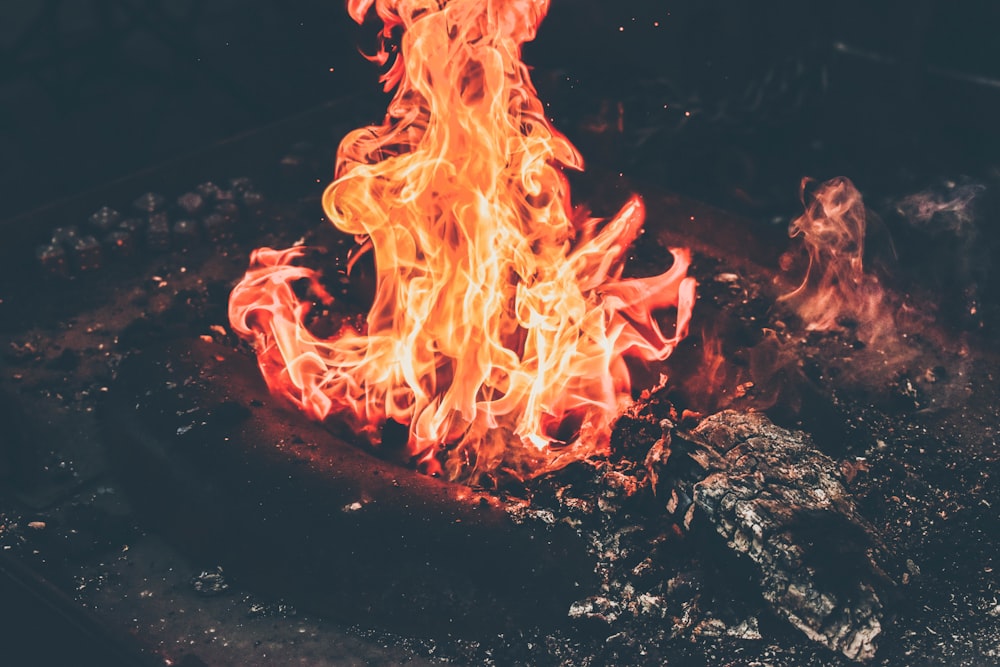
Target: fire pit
{"x": 806, "y": 480}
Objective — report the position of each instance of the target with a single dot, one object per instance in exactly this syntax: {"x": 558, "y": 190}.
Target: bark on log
{"x": 782, "y": 503}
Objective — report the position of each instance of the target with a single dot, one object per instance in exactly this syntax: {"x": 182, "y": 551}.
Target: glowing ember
{"x": 500, "y": 318}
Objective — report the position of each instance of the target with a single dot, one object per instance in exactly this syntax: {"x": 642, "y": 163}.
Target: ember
{"x": 500, "y": 318}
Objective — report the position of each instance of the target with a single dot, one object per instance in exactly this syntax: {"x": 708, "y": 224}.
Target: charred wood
{"x": 781, "y": 503}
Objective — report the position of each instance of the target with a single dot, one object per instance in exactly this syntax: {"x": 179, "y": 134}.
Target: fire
{"x": 836, "y": 286}
{"x": 501, "y": 319}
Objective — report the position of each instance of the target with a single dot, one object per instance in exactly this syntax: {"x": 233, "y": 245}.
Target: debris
{"x": 779, "y": 501}
{"x": 210, "y": 582}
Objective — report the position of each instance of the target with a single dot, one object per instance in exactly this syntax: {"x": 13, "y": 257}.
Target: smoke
{"x": 957, "y": 256}
{"x": 951, "y": 208}
{"x": 836, "y": 288}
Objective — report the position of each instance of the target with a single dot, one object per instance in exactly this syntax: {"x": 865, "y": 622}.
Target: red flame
{"x": 500, "y": 318}
{"x": 836, "y": 286}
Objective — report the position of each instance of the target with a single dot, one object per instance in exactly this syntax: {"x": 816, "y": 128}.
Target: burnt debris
{"x": 778, "y": 503}
{"x": 781, "y": 502}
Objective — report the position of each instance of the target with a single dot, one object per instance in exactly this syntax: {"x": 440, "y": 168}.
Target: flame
{"x": 500, "y": 317}
{"x": 836, "y": 286}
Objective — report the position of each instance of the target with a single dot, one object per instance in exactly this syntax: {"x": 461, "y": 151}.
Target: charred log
{"x": 782, "y": 504}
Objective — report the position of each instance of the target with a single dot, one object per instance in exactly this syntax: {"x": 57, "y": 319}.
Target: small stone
{"x": 132, "y": 225}
{"x": 191, "y": 203}
{"x": 53, "y": 259}
{"x": 241, "y": 184}
{"x": 65, "y": 236}
{"x": 158, "y": 232}
{"x": 104, "y": 219}
{"x": 149, "y": 203}
{"x": 87, "y": 253}
{"x": 208, "y": 190}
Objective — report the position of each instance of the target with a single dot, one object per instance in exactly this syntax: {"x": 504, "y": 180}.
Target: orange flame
{"x": 500, "y": 315}
{"x": 836, "y": 285}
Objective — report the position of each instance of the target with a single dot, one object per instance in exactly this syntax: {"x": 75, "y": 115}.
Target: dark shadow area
{"x": 95, "y": 90}
{"x": 726, "y": 101}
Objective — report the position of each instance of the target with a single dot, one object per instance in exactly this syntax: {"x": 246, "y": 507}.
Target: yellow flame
{"x": 500, "y": 316}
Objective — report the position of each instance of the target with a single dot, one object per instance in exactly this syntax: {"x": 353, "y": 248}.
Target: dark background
{"x": 729, "y": 101}
{"x": 896, "y": 94}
